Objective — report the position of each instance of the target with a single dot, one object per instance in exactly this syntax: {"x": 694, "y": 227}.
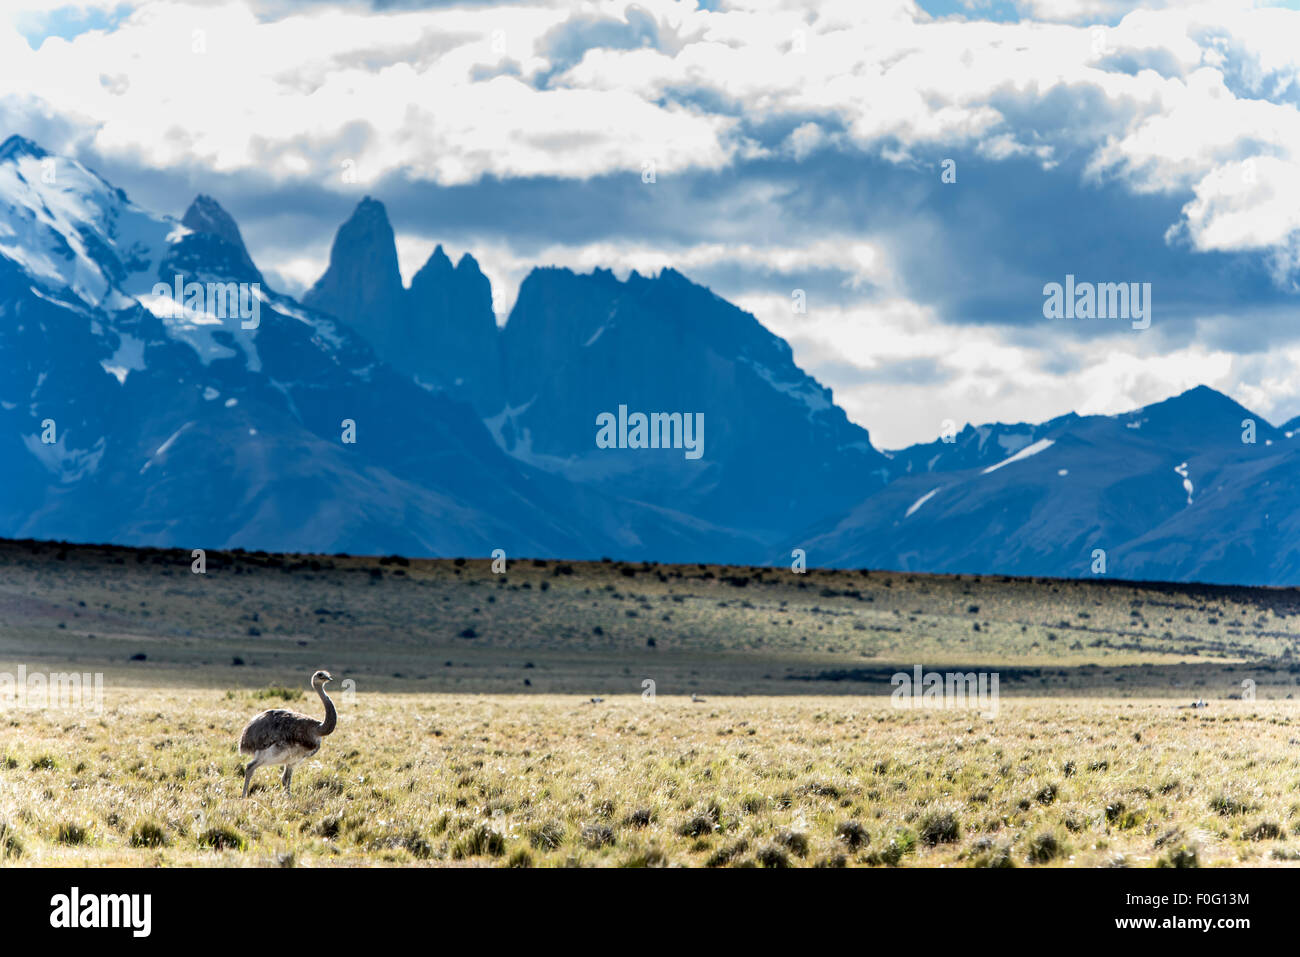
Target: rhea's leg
{"x": 288, "y": 778}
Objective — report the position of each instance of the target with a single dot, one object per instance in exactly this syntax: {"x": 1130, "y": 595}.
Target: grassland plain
{"x": 468, "y": 734}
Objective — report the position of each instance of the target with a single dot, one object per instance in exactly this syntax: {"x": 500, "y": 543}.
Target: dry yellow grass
{"x": 555, "y": 780}
{"x": 471, "y": 739}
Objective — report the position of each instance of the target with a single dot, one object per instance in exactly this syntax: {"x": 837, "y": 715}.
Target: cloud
{"x": 301, "y": 95}
{"x": 1162, "y": 99}
{"x": 1083, "y": 11}
{"x": 902, "y": 371}
{"x": 793, "y": 145}
{"x": 567, "y": 43}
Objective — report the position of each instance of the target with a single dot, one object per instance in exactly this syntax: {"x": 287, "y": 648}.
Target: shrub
{"x": 69, "y": 833}
{"x": 1228, "y": 805}
{"x": 989, "y": 853}
{"x": 773, "y": 857}
{"x": 221, "y": 838}
{"x": 940, "y": 827}
{"x": 852, "y": 834}
{"x": 148, "y": 834}
{"x": 417, "y": 846}
{"x": 820, "y": 789}
{"x": 641, "y": 817}
{"x": 277, "y": 691}
{"x": 547, "y": 837}
{"x": 477, "y": 841}
{"x": 753, "y": 804}
{"x": 726, "y": 855}
{"x": 902, "y": 842}
{"x": 10, "y": 844}
{"x": 793, "y": 841}
{"x": 596, "y": 836}
{"x": 1263, "y": 831}
{"x": 698, "y": 825}
{"x": 1043, "y": 848}
{"x": 651, "y": 857}
{"x": 1184, "y": 855}
{"x": 1118, "y": 815}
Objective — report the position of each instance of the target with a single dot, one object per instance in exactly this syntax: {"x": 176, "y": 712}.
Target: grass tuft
{"x": 940, "y": 828}
{"x": 222, "y": 838}
{"x": 149, "y": 834}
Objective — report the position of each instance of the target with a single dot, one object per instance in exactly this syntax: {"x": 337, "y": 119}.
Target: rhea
{"x": 286, "y": 737}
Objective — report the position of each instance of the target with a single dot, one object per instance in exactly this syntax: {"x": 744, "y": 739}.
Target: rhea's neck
{"x": 331, "y": 715}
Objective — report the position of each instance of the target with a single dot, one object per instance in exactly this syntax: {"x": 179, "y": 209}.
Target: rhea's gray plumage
{"x": 286, "y": 737}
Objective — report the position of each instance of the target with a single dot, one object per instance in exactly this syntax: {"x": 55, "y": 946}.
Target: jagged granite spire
{"x": 442, "y": 330}
{"x": 363, "y": 284}
{"x": 205, "y": 215}
{"x": 209, "y": 220}
{"x": 454, "y": 330}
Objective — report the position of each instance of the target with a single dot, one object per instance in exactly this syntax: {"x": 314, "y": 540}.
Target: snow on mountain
{"x": 1032, "y": 449}
{"x": 72, "y": 231}
{"x": 911, "y": 509}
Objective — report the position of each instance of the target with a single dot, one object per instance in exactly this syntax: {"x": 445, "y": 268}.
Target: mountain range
{"x": 375, "y": 417}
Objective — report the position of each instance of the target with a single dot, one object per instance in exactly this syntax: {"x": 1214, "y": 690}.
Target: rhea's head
{"x": 319, "y": 678}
